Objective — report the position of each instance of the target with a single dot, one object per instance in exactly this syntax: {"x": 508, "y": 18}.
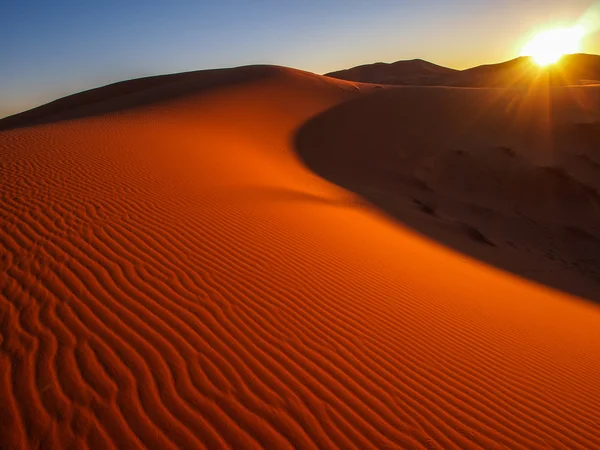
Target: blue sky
{"x": 52, "y": 48}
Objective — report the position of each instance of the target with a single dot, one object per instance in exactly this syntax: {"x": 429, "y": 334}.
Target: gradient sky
{"x": 51, "y": 48}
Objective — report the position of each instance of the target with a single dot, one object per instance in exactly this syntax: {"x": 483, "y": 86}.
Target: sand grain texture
{"x": 172, "y": 276}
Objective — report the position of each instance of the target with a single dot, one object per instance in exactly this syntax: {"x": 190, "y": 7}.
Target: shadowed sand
{"x": 172, "y": 276}
{"x": 509, "y": 176}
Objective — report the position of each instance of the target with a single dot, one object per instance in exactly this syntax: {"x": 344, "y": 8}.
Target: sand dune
{"x": 412, "y": 72}
{"x": 577, "y": 69}
{"x": 173, "y": 276}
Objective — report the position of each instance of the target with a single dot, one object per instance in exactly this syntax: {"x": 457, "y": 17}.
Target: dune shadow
{"x": 497, "y": 175}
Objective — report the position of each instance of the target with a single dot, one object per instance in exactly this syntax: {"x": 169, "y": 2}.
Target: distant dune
{"x": 266, "y": 258}
{"x": 413, "y": 72}
{"x": 572, "y": 70}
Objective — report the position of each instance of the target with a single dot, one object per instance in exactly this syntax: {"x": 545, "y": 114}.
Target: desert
{"x": 396, "y": 256}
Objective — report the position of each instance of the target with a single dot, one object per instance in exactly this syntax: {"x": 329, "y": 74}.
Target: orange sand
{"x": 172, "y": 276}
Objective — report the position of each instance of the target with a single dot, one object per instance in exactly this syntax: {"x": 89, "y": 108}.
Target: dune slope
{"x": 576, "y": 69}
{"x": 172, "y": 276}
{"x": 412, "y": 72}
{"x": 509, "y": 176}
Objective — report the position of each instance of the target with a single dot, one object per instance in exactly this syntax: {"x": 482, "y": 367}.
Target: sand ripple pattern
{"x": 144, "y": 305}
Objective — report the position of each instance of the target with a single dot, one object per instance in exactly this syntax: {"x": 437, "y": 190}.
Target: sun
{"x": 547, "y": 47}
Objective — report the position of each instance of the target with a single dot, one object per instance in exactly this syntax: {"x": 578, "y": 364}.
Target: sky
{"x": 52, "y": 48}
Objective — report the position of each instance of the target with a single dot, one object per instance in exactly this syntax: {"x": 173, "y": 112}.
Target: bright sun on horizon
{"x": 548, "y": 47}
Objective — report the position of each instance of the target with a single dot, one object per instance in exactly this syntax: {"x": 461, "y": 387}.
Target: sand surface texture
{"x": 216, "y": 260}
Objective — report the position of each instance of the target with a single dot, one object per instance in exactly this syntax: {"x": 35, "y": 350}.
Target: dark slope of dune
{"x": 172, "y": 277}
{"x": 74, "y": 105}
{"x": 128, "y": 94}
{"x": 516, "y": 72}
{"x": 571, "y": 70}
{"x": 511, "y": 177}
{"x": 412, "y": 72}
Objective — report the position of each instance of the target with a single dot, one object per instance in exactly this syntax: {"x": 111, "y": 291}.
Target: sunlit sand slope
{"x": 173, "y": 277}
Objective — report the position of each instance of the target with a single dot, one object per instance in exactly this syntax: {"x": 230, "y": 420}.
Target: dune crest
{"x": 174, "y": 277}
{"x": 577, "y": 69}
{"x": 412, "y": 72}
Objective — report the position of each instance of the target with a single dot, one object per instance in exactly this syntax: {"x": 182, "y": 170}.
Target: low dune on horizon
{"x": 262, "y": 257}
{"x": 576, "y": 69}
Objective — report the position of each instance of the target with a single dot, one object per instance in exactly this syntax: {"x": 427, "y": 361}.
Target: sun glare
{"x": 547, "y": 47}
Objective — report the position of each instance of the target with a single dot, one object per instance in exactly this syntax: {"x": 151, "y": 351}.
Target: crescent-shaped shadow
{"x": 508, "y": 176}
